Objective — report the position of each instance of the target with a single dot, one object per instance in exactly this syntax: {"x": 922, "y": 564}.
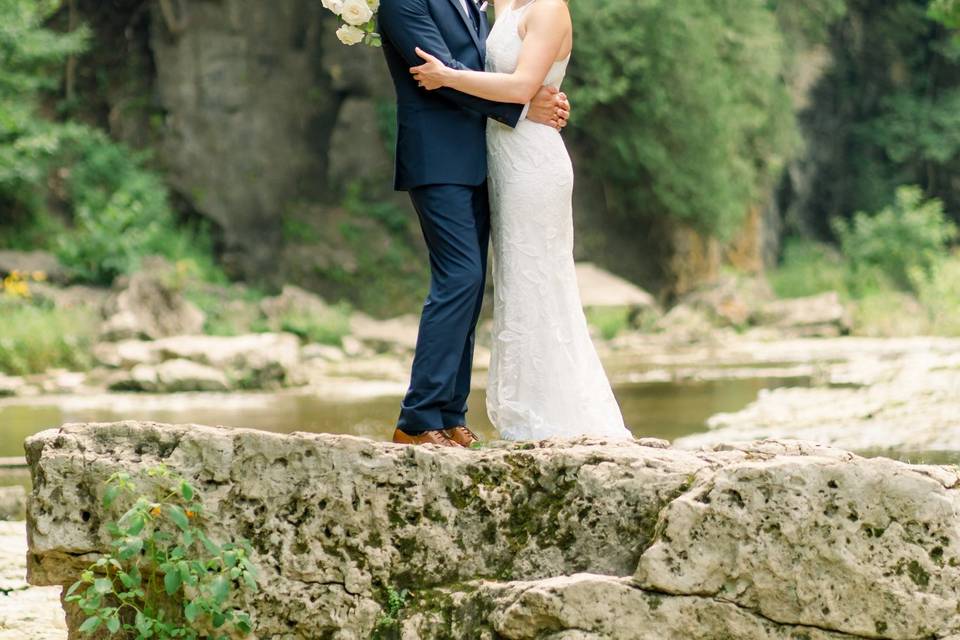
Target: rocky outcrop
{"x": 573, "y": 540}
{"x": 822, "y": 315}
{"x": 145, "y": 307}
{"x": 234, "y": 76}
{"x": 203, "y": 363}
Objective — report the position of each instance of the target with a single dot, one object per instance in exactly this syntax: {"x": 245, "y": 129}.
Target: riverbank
{"x": 26, "y": 613}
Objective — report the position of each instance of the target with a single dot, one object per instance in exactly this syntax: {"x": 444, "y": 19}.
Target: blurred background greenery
{"x": 813, "y": 144}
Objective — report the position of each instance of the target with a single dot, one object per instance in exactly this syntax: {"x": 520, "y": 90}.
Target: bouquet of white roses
{"x": 357, "y": 21}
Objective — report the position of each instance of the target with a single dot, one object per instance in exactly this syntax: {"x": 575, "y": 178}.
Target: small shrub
{"x": 122, "y": 215}
{"x": 389, "y": 621}
{"x": 164, "y": 577}
{"x": 910, "y": 236}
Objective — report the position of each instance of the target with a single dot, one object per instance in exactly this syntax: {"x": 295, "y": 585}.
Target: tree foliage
{"x": 682, "y": 104}
{"x": 116, "y": 209}
{"x": 886, "y": 111}
{"x": 947, "y": 12}
{"x": 28, "y": 141}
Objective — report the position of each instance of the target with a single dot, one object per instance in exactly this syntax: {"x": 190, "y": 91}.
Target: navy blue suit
{"x": 442, "y": 161}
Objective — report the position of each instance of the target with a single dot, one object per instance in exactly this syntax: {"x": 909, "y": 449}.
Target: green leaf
{"x": 192, "y": 611}
{"x": 90, "y": 625}
{"x": 218, "y": 619}
{"x": 110, "y": 495}
{"x": 143, "y": 624}
{"x": 186, "y": 490}
{"x": 137, "y": 521}
{"x": 178, "y": 516}
{"x": 113, "y": 624}
{"x": 130, "y": 548}
{"x": 185, "y": 575}
{"x": 103, "y": 585}
{"x": 171, "y": 582}
{"x": 208, "y": 544}
{"x": 220, "y": 589}
{"x": 243, "y": 623}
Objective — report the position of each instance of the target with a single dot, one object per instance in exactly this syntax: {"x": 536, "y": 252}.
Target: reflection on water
{"x": 663, "y": 410}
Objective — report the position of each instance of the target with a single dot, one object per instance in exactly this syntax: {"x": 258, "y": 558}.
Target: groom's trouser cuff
{"x": 414, "y": 422}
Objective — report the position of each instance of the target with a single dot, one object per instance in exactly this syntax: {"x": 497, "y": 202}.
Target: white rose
{"x": 356, "y": 12}
{"x": 333, "y": 5}
{"x": 350, "y": 35}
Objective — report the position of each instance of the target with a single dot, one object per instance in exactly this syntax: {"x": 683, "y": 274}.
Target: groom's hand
{"x": 550, "y": 107}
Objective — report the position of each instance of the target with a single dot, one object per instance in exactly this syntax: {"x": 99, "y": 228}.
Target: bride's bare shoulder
{"x": 559, "y": 6}
{"x": 551, "y": 10}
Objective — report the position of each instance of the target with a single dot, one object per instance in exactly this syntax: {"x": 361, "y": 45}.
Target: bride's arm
{"x": 547, "y": 26}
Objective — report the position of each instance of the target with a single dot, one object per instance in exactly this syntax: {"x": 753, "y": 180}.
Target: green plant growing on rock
{"x": 390, "y": 618}
{"x": 164, "y": 577}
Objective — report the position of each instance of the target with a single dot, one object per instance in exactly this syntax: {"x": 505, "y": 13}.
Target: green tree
{"x": 885, "y": 112}
{"x": 682, "y": 105}
{"x": 28, "y": 142}
{"x": 947, "y": 12}
{"x": 117, "y": 210}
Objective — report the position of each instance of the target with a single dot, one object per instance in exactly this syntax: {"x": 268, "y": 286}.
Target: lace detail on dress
{"x": 546, "y": 379}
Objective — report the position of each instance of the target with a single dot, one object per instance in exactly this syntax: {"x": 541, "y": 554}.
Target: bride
{"x": 545, "y": 379}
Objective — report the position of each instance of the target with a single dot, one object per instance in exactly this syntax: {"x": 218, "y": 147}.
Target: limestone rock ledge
{"x": 561, "y": 540}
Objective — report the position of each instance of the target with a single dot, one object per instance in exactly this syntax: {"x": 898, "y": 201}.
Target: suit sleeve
{"x": 407, "y": 24}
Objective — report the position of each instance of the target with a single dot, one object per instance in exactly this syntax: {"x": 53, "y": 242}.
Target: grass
{"x": 808, "y": 268}
{"x": 35, "y": 338}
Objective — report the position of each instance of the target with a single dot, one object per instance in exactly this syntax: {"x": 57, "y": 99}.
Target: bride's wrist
{"x": 450, "y": 77}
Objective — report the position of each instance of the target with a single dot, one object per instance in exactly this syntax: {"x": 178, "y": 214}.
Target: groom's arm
{"x": 408, "y": 25}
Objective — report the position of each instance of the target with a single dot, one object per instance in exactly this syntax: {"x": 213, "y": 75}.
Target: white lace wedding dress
{"x": 545, "y": 378}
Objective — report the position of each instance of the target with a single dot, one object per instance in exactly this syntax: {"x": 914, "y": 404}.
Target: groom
{"x": 442, "y": 161}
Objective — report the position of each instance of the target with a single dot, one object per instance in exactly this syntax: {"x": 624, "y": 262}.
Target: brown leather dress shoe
{"x": 462, "y": 436}
{"x": 427, "y": 437}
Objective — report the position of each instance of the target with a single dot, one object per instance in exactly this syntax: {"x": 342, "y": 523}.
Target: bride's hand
{"x": 433, "y": 74}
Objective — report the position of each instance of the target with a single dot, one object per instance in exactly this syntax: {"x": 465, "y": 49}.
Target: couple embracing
{"x": 480, "y": 152}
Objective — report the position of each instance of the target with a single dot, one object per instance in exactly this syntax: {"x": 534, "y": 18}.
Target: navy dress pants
{"x": 455, "y": 220}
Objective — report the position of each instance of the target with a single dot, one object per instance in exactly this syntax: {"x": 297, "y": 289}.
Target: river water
{"x": 661, "y": 409}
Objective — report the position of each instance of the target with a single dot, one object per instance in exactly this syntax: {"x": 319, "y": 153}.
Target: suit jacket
{"x": 441, "y": 135}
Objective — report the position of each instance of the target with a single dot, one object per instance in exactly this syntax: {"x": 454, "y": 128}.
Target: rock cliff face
{"x": 560, "y": 540}
{"x": 253, "y": 93}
